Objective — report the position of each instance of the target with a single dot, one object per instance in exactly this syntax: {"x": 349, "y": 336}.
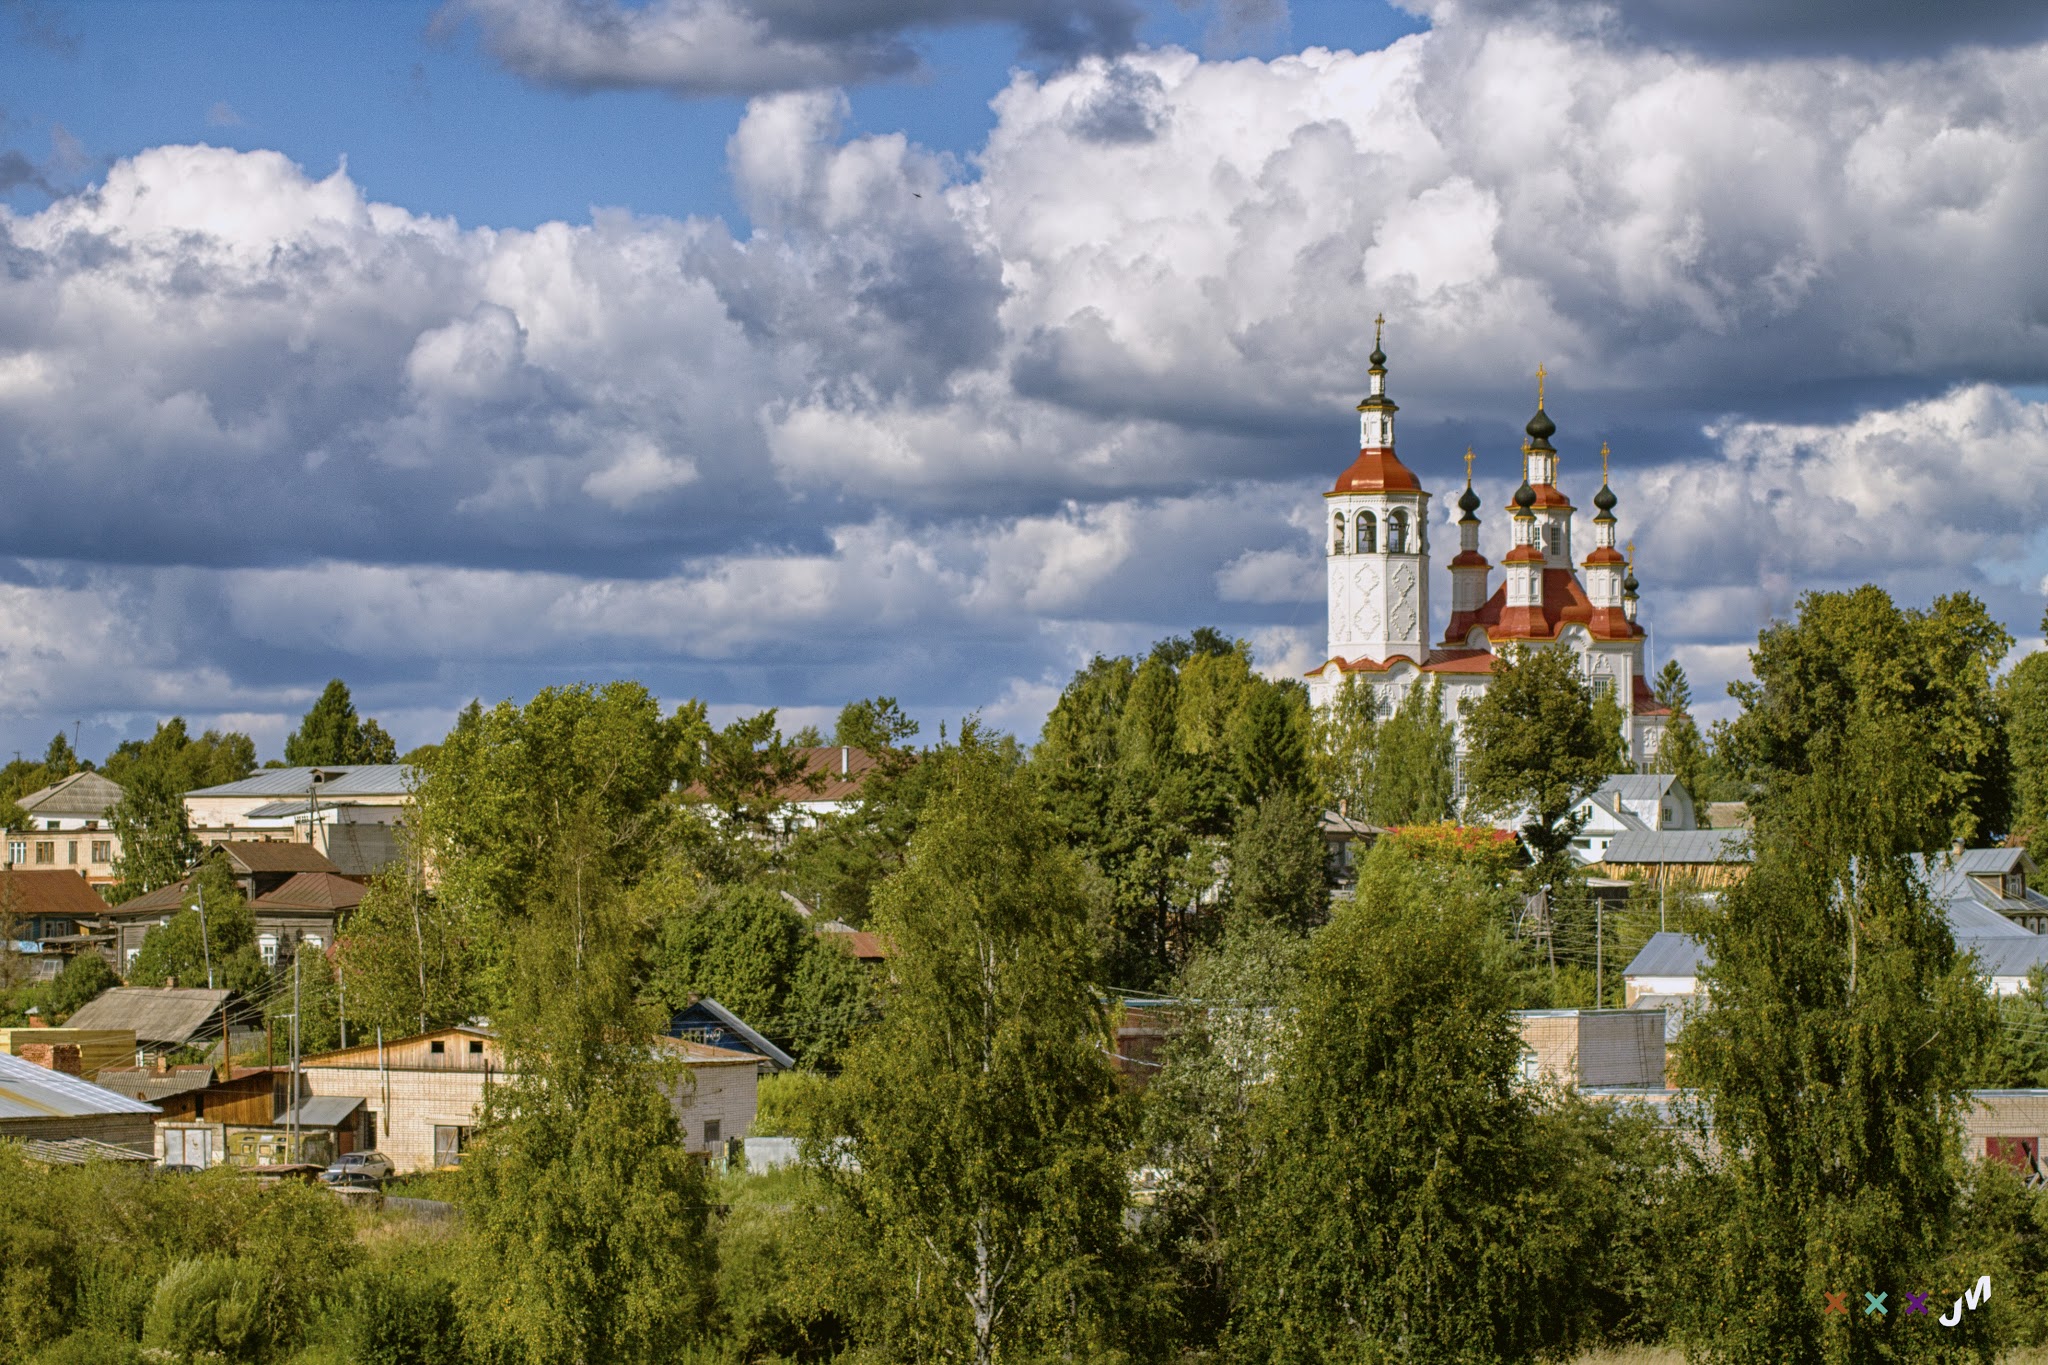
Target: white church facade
{"x": 1376, "y": 545}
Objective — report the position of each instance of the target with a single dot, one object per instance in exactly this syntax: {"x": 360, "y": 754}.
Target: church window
{"x": 1550, "y": 538}
{"x": 1337, "y": 542}
{"x": 1397, "y": 532}
{"x": 1368, "y": 533}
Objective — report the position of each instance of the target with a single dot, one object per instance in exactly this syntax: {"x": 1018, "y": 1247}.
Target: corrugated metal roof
{"x": 314, "y": 891}
{"x": 2007, "y": 956}
{"x": 1987, "y": 862}
{"x": 275, "y": 855}
{"x": 1678, "y": 846}
{"x": 77, "y": 1151}
{"x": 322, "y": 1111}
{"x": 56, "y": 893}
{"x": 156, "y": 1014}
{"x": 1667, "y": 955}
{"x": 27, "y": 1091}
{"x": 363, "y": 779}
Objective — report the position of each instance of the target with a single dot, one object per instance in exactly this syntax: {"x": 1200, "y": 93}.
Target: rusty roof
{"x": 274, "y": 855}
{"x": 313, "y": 891}
{"x": 57, "y": 893}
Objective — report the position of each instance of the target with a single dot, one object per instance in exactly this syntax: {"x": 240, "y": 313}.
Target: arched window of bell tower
{"x": 1368, "y": 532}
{"x": 1397, "y": 532}
{"x": 1337, "y": 537}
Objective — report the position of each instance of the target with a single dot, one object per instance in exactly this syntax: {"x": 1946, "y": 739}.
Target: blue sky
{"x": 781, "y": 352}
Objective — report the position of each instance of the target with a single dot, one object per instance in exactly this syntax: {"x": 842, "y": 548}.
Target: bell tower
{"x": 1376, "y": 540}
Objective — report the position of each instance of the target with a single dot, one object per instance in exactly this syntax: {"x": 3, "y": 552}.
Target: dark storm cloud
{"x": 744, "y": 47}
{"x": 1750, "y": 28}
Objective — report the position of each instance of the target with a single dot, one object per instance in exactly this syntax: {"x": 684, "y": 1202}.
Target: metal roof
{"x": 1634, "y": 787}
{"x": 51, "y": 893}
{"x": 275, "y": 855}
{"x": 28, "y": 1091}
{"x": 720, "y": 1027}
{"x": 1987, "y": 862}
{"x": 362, "y": 779}
{"x": 313, "y": 891}
{"x": 1678, "y": 846}
{"x": 77, "y": 1151}
{"x": 1667, "y": 955}
{"x": 2007, "y": 956}
{"x": 322, "y": 1111}
{"x": 156, "y": 1014}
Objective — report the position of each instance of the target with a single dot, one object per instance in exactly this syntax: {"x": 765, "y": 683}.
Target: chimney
{"x": 36, "y": 1020}
{"x": 170, "y": 983}
{"x": 163, "y": 1063}
{"x": 54, "y": 1057}
{"x": 843, "y": 759}
{"x": 1955, "y": 850}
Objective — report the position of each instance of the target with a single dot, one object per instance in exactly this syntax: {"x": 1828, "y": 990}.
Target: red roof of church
{"x": 1377, "y": 470}
{"x": 1437, "y": 661}
{"x": 1547, "y": 495}
{"x": 1564, "y": 603}
{"x": 1645, "y": 701}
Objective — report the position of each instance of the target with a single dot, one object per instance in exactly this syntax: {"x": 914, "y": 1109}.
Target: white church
{"x": 1376, "y": 539}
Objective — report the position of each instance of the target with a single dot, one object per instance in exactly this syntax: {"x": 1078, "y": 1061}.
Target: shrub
{"x": 213, "y": 1305}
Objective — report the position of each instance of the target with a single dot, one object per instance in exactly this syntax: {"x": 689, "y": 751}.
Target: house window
{"x": 128, "y": 958}
{"x": 1528, "y": 1067}
{"x": 1603, "y": 684}
{"x": 51, "y": 824}
{"x": 1368, "y": 532}
{"x": 312, "y": 941}
{"x": 266, "y": 944}
{"x": 71, "y": 853}
{"x": 2016, "y": 885}
{"x": 711, "y": 1132}
{"x": 449, "y": 1140}
{"x": 17, "y": 850}
{"x": 103, "y": 850}
{"x": 476, "y": 1049}
{"x": 46, "y": 851}
{"x": 437, "y": 1047}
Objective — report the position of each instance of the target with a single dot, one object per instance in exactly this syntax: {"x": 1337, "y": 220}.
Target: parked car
{"x": 373, "y": 1166}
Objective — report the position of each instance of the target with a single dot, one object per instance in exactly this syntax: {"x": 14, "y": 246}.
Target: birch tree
{"x": 982, "y": 1112}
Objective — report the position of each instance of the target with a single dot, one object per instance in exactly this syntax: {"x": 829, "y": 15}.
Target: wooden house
{"x": 167, "y": 1018}
{"x": 98, "y": 1049}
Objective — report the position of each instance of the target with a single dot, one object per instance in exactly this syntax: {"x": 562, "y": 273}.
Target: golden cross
{"x": 1540, "y": 373}
{"x": 1468, "y": 466}
{"x": 1377, "y": 323}
{"x": 1603, "y": 462}
{"x": 1631, "y": 554}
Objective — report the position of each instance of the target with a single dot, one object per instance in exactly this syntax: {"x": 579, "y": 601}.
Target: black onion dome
{"x": 1378, "y": 357}
{"x": 1468, "y": 501}
{"x": 1525, "y": 496}
{"x": 1628, "y": 585}
{"x": 1540, "y": 427}
{"x": 1605, "y": 499}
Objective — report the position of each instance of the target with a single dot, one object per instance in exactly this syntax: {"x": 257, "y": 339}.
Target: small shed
{"x": 35, "y": 1103}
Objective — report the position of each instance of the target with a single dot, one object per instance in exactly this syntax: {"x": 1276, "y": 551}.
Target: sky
{"x": 784, "y": 352}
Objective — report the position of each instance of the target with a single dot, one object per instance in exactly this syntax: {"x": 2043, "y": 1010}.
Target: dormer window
{"x": 2016, "y": 886}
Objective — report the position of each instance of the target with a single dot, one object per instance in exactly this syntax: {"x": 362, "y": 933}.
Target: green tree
{"x": 513, "y": 786}
{"x": 2023, "y": 701}
{"x": 208, "y": 761}
{"x": 987, "y": 1124}
{"x": 836, "y": 864}
{"x": 1536, "y": 748}
{"x": 82, "y": 979}
{"x": 1612, "y": 724}
{"x": 587, "y": 1224}
{"x": 1410, "y": 1201}
{"x": 60, "y": 760}
{"x": 2016, "y": 1057}
{"x": 331, "y": 733}
{"x": 149, "y": 820}
{"x": 1414, "y": 771}
{"x": 1682, "y": 752}
{"x": 1225, "y": 1041}
{"x": 1858, "y": 654}
{"x": 877, "y": 725}
{"x": 176, "y": 950}
{"x": 405, "y": 955}
{"x": 1833, "y": 1059}
{"x": 1278, "y": 863}
{"x": 1345, "y": 743}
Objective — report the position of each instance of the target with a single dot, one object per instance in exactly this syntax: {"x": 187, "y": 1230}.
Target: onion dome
{"x": 1378, "y": 357}
{"x": 1468, "y": 501}
{"x": 1540, "y": 427}
{"x": 1525, "y": 496}
{"x": 1605, "y": 499}
{"x": 1629, "y": 584}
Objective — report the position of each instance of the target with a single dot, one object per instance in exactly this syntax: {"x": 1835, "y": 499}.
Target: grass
{"x": 1634, "y": 1355}
{"x": 438, "y": 1184}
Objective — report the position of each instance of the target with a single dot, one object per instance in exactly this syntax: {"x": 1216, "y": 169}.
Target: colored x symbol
{"x": 1837, "y": 1303}
{"x": 1916, "y": 1303}
{"x": 1874, "y": 1303}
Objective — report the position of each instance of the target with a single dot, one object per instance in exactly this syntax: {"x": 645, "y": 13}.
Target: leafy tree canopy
{"x": 332, "y": 733}
{"x": 877, "y": 725}
{"x": 1536, "y": 747}
{"x": 177, "y": 951}
{"x": 1857, "y": 659}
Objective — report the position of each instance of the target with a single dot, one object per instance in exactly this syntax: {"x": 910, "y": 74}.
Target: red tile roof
{"x": 1564, "y": 603}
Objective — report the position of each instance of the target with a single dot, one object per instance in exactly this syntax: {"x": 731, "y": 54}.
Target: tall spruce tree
{"x": 1682, "y": 752}
{"x": 332, "y": 733}
{"x": 988, "y": 1129}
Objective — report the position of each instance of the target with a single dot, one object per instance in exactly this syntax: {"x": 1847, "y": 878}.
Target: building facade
{"x": 1377, "y": 553}
{"x": 68, "y": 829}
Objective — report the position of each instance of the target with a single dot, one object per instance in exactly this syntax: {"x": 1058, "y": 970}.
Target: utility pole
{"x": 292, "y": 1133}
{"x": 1599, "y": 961}
{"x": 205, "y": 948}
